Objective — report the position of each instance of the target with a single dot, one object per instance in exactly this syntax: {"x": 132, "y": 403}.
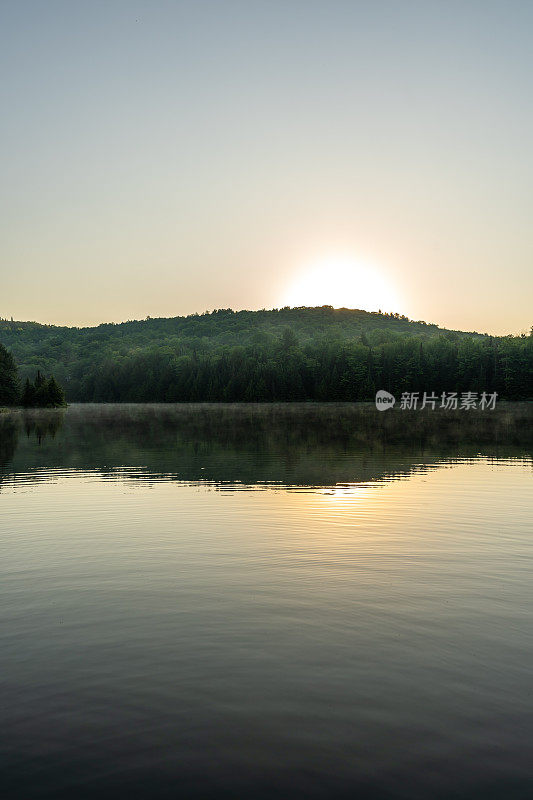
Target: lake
{"x": 289, "y": 601}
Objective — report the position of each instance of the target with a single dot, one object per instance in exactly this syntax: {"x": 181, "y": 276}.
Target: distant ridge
{"x": 327, "y": 314}
{"x": 318, "y": 353}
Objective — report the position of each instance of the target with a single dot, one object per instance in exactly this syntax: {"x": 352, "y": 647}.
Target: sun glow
{"x": 343, "y": 282}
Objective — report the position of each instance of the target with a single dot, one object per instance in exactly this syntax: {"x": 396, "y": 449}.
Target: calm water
{"x": 266, "y": 602}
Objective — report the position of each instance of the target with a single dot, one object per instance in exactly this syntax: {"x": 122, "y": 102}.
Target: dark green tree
{"x": 41, "y": 390}
{"x": 56, "y": 395}
{"x": 9, "y": 382}
{"x": 43, "y": 393}
{"x": 28, "y": 394}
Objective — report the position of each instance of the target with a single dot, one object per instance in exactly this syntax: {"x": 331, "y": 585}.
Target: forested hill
{"x": 287, "y": 354}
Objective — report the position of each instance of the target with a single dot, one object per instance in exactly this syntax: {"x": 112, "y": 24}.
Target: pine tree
{"x": 9, "y": 382}
{"x": 43, "y": 393}
{"x": 56, "y": 395}
{"x": 28, "y": 394}
{"x": 41, "y": 390}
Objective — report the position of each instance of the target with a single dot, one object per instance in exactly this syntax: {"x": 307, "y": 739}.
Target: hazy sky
{"x": 161, "y": 158}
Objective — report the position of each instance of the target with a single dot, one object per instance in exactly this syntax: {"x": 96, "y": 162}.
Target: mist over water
{"x": 254, "y": 445}
{"x": 306, "y": 601}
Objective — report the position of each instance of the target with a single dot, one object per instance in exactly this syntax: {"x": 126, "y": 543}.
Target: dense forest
{"x": 43, "y": 392}
{"x": 287, "y": 354}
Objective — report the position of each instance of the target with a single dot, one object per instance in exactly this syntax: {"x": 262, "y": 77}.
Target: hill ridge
{"x": 305, "y": 353}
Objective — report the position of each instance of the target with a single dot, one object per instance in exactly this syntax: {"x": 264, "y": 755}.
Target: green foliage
{"x": 56, "y": 395}
{"x": 9, "y": 382}
{"x": 43, "y": 393}
{"x": 287, "y": 354}
{"x": 28, "y": 394}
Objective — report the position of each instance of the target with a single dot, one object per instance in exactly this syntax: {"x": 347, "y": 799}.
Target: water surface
{"x": 266, "y": 601}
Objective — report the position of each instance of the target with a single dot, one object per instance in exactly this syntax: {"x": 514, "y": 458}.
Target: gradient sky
{"x": 162, "y": 158}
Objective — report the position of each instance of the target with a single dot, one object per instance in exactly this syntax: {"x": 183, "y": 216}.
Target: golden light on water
{"x": 343, "y": 282}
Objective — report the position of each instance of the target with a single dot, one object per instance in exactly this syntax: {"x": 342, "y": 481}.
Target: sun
{"x": 342, "y": 282}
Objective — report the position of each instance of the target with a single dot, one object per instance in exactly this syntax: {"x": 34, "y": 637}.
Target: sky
{"x": 165, "y": 158}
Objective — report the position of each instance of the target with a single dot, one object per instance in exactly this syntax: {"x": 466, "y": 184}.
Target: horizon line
{"x": 207, "y": 312}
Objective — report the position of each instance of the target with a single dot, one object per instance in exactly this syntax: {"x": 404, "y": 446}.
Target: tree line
{"x": 72, "y": 353}
{"x": 43, "y": 392}
{"x": 323, "y": 371}
{"x": 318, "y": 354}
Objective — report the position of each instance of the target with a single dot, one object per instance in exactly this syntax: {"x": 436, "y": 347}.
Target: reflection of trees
{"x": 301, "y": 445}
{"x": 36, "y": 424}
{"x": 39, "y": 424}
{"x": 9, "y": 432}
